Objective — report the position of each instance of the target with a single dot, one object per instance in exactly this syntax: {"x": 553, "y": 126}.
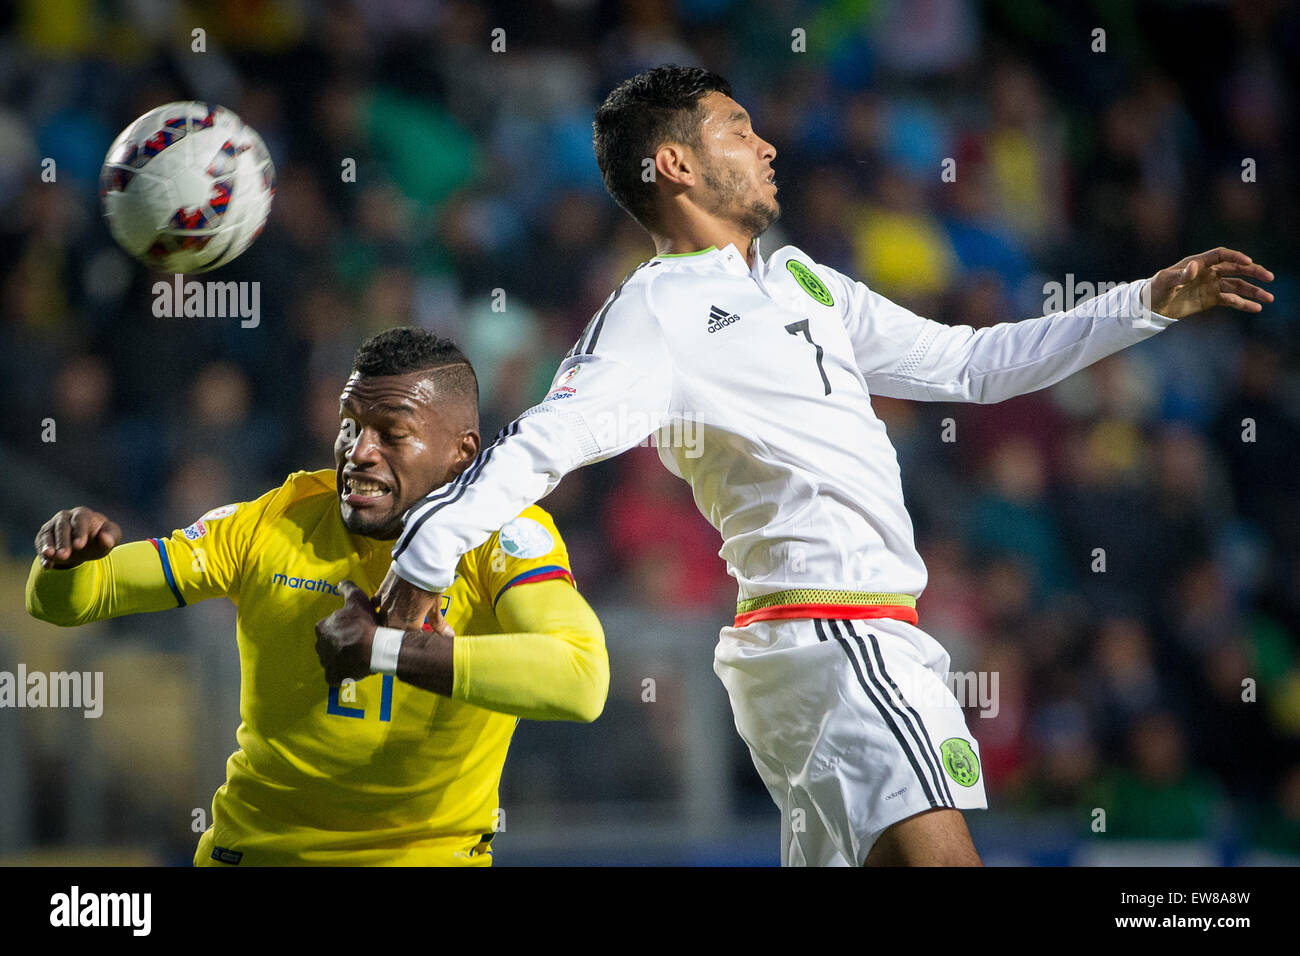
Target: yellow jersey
{"x": 377, "y": 771}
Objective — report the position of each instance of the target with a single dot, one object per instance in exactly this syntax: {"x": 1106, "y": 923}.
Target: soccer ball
{"x": 187, "y": 187}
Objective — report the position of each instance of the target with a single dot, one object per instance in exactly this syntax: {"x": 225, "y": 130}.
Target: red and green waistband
{"x": 815, "y": 603}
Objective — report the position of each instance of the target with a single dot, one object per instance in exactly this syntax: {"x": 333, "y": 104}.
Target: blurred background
{"x": 474, "y": 173}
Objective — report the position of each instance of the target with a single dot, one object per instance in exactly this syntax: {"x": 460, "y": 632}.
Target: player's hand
{"x": 405, "y": 606}
{"x": 1203, "y": 281}
{"x": 344, "y": 639}
{"x": 76, "y": 535}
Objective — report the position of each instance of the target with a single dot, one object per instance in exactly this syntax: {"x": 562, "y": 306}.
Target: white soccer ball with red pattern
{"x": 187, "y": 187}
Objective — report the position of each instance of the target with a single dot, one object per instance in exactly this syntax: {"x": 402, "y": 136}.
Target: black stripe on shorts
{"x": 924, "y": 748}
{"x": 926, "y": 742}
{"x": 882, "y": 707}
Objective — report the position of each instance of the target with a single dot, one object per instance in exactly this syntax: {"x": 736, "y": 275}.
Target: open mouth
{"x": 359, "y": 490}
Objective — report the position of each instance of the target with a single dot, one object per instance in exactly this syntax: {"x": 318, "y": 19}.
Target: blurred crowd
{"x": 1122, "y": 550}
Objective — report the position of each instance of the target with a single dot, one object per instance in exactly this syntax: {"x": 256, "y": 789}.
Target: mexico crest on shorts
{"x": 960, "y": 761}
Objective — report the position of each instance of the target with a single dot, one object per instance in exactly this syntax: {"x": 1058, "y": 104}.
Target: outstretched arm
{"x": 611, "y": 392}
{"x": 903, "y": 355}
{"x": 81, "y": 573}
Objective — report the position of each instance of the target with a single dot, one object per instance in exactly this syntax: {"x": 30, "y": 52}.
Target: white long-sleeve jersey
{"x": 756, "y": 384}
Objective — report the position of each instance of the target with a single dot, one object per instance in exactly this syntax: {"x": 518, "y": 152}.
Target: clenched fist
{"x": 344, "y": 639}
{"x": 76, "y": 535}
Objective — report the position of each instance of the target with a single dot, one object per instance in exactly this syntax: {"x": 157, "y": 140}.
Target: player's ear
{"x": 675, "y": 164}
{"x": 466, "y": 451}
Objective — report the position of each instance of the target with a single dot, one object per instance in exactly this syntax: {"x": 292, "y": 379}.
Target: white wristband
{"x": 383, "y": 652}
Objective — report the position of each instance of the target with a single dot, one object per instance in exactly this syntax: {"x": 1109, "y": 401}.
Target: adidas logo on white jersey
{"x": 720, "y": 318}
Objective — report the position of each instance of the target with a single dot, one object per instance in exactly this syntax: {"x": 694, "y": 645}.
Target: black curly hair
{"x": 639, "y": 115}
{"x": 410, "y": 349}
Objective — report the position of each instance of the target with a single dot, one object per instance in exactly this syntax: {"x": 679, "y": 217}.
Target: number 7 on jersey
{"x": 794, "y": 328}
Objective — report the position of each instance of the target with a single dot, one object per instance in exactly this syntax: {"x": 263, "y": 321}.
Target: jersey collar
{"x": 727, "y": 258}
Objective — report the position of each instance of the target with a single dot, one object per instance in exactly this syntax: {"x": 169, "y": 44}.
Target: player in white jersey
{"x": 839, "y": 694}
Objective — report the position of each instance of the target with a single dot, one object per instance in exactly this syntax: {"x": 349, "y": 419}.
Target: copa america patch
{"x": 525, "y": 538}
{"x": 567, "y": 374}
{"x": 225, "y": 511}
{"x": 561, "y": 388}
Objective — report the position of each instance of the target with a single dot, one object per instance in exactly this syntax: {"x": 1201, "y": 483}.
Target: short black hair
{"x": 637, "y": 117}
{"x": 410, "y": 349}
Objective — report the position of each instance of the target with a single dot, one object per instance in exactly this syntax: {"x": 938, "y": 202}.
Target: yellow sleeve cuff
{"x": 558, "y": 669}
{"x": 128, "y": 580}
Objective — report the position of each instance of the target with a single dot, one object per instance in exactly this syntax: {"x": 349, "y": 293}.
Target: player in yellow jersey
{"x": 397, "y": 758}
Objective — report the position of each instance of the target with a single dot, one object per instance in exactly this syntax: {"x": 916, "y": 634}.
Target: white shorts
{"x": 852, "y": 726}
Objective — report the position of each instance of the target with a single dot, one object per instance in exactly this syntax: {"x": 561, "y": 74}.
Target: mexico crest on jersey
{"x": 809, "y": 282}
